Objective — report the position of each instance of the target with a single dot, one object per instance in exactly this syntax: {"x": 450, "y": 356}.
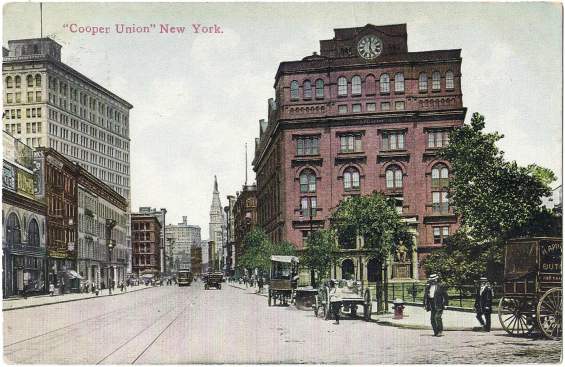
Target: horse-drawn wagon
{"x": 532, "y": 298}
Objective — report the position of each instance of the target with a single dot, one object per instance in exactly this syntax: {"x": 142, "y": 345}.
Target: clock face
{"x": 369, "y": 47}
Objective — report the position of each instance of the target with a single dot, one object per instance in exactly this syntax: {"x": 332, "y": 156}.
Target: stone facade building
{"x": 24, "y": 237}
{"x": 161, "y": 217}
{"x": 97, "y": 204}
{"x": 146, "y": 243}
{"x": 364, "y": 115}
{"x": 181, "y": 238}
{"x": 230, "y": 236}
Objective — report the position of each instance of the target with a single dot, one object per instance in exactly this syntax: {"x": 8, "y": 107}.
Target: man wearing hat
{"x": 483, "y": 303}
{"x": 435, "y": 301}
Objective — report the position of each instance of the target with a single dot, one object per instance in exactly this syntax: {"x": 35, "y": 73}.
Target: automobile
{"x": 214, "y": 280}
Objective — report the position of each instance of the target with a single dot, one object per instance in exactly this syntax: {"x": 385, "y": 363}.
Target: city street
{"x": 172, "y": 325}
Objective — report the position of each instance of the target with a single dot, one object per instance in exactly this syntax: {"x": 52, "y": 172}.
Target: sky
{"x": 198, "y": 97}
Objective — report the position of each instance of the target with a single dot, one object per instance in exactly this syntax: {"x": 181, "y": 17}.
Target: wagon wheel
{"x": 270, "y": 297}
{"x": 514, "y": 316}
{"x": 327, "y": 311}
{"x": 549, "y": 313}
{"x": 368, "y": 306}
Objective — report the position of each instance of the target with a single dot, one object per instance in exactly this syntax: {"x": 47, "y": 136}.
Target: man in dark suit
{"x": 435, "y": 301}
{"x": 483, "y": 303}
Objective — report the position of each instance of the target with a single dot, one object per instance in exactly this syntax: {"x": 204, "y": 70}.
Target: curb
{"x": 257, "y": 294}
{"x": 422, "y": 327}
{"x": 70, "y": 300}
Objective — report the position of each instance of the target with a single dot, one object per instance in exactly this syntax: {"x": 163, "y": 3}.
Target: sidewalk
{"x": 415, "y": 317}
{"x": 19, "y": 303}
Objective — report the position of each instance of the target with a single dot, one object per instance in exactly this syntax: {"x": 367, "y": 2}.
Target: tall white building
{"x": 217, "y": 225}
{"x": 48, "y": 103}
{"x": 180, "y": 238}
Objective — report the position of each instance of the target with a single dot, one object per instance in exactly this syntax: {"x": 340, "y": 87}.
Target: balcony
{"x": 439, "y": 212}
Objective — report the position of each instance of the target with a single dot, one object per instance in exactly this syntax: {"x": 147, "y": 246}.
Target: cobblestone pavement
{"x": 175, "y": 325}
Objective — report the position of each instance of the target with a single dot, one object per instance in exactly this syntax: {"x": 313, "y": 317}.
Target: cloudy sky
{"x": 198, "y": 97}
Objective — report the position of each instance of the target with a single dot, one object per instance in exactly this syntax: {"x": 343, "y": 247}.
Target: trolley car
{"x": 532, "y": 298}
{"x": 184, "y": 277}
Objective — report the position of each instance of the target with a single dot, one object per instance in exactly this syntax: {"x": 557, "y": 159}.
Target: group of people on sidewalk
{"x": 436, "y": 300}
{"x": 94, "y": 288}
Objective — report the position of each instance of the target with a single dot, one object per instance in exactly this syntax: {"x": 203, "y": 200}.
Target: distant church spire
{"x": 216, "y": 185}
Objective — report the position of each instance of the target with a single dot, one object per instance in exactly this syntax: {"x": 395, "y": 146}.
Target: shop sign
{"x": 8, "y": 177}
{"x": 57, "y": 254}
{"x": 9, "y": 147}
{"x": 25, "y": 184}
{"x": 38, "y": 177}
{"x": 24, "y": 155}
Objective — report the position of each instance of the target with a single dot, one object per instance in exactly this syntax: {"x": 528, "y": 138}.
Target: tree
{"x": 258, "y": 249}
{"x": 375, "y": 219}
{"x": 318, "y": 253}
{"x": 496, "y": 200}
{"x": 494, "y": 197}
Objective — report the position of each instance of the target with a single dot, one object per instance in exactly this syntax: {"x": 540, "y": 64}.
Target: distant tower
{"x": 216, "y": 227}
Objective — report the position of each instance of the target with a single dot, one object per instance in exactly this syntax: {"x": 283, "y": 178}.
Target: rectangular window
{"x": 342, "y": 108}
{"x": 440, "y": 203}
{"x": 399, "y": 105}
{"x": 440, "y": 234}
{"x": 356, "y": 107}
{"x": 9, "y": 97}
{"x": 385, "y": 106}
{"x": 438, "y": 139}
{"x": 38, "y": 96}
{"x": 308, "y": 146}
{"x": 28, "y": 128}
{"x": 19, "y": 113}
{"x": 371, "y": 107}
{"x": 393, "y": 141}
{"x": 308, "y": 206}
{"x": 18, "y": 97}
{"x": 350, "y": 143}
{"x": 30, "y": 96}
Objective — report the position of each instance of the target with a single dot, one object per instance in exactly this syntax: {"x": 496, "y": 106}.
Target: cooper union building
{"x": 363, "y": 115}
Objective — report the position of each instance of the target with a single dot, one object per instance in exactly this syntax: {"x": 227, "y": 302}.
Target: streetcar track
{"x": 69, "y": 325}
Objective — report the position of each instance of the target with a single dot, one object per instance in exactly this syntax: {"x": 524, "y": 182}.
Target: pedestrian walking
{"x": 122, "y": 287}
{"x": 335, "y": 300}
{"x": 435, "y": 301}
{"x": 483, "y": 303}
{"x": 260, "y": 284}
{"x": 51, "y": 289}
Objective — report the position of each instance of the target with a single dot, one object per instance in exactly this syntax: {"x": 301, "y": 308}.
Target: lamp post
{"x": 110, "y": 224}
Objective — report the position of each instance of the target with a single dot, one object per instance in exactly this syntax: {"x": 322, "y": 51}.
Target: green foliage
{"x": 495, "y": 198}
{"x": 462, "y": 260}
{"x": 258, "y": 249}
{"x": 318, "y": 253}
{"x": 375, "y": 218}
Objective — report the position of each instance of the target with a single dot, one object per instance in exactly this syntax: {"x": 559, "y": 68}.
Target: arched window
{"x": 341, "y": 86}
{"x": 33, "y": 233}
{"x": 440, "y": 175}
{"x": 356, "y": 85}
{"x": 385, "y": 83}
{"x": 307, "y": 181}
{"x": 436, "y": 78}
{"x": 319, "y": 88}
{"x": 37, "y": 80}
{"x": 393, "y": 177}
{"x": 29, "y": 80}
{"x": 370, "y": 85}
{"x": 351, "y": 179}
{"x": 13, "y": 234}
{"x": 307, "y": 89}
{"x": 449, "y": 80}
{"x": 294, "y": 89}
{"x": 18, "y": 81}
{"x": 9, "y": 82}
{"x": 399, "y": 82}
{"x": 423, "y": 82}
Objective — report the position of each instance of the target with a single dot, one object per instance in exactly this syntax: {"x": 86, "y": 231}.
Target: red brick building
{"x": 145, "y": 243}
{"x": 364, "y": 115}
{"x": 245, "y": 217}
